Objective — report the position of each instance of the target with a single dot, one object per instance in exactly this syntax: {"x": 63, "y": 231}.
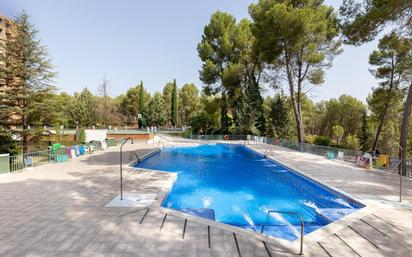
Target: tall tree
{"x": 131, "y": 104}
{"x": 231, "y": 68}
{"x": 174, "y": 105}
{"x": 216, "y": 50}
{"x": 154, "y": 113}
{"x": 189, "y": 102}
{"x": 104, "y": 91}
{"x": 362, "y": 22}
{"x": 364, "y": 134}
{"x": 25, "y": 77}
{"x": 299, "y": 39}
{"x": 279, "y": 116}
{"x": 167, "y": 98}
{"x": 389, "y": 61}
{"x": 83, "y": 110}
{"x": 143, "y": 99}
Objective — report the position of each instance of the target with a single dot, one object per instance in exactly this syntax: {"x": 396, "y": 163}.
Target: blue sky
{"x": 154, "y": 41}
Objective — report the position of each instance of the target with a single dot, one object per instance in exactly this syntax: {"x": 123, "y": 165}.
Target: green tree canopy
{"x": 362, "y": 21}
{"x": 174, "y": 107}
{"x": 189, "y": 102}
{"x": 154, "y": 113}
{"x": 279, "y": 116}
{"x": 299, "y": 39}
{"x": 25, "y": 81}
{"x": 83, "y": 110}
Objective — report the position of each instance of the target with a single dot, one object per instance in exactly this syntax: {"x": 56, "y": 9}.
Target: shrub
{"x": 310, "y": 139}
{"x": 322, "y": 140}
{"x": 81, "y": 135}
{"x": 352, "y": 142}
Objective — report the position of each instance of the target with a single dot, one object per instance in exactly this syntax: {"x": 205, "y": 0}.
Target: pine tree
{"x": 142, "y": 121}
{"x": 25, "y": 77}
{"x": 104, "y": 90}
{"x": 83, "y": 111}
{"x": 174, "y": 104}
{"x": 279, "y": 115}
{"x": 364, "y": 133}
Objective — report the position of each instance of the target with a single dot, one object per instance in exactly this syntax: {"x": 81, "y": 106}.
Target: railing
{"x": 133, "y": 153}
{"x": 34, "y": 159}
{"x": 267, "y": 152}
{"x": 21, "y": 161}
{"x": 302, "y": 225}
{"x": 348, "y": 155}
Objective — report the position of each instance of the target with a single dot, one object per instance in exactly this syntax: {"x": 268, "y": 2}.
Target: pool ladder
{"x": 268, "y": 151}
{"x": 302, "y": 226}
{"x": 133, "y": 153}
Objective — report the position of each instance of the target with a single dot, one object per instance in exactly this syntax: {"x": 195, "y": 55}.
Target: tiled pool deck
{"x": 58, "y": 210}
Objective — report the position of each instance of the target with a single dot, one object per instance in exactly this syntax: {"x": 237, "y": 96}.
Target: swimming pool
{"x": 241, "y": 187}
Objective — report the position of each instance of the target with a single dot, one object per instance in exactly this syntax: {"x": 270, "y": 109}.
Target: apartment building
{"x": 5, "y": 28}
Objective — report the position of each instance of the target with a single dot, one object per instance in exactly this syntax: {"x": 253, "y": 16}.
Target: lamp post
{"x": 121, "y": 166}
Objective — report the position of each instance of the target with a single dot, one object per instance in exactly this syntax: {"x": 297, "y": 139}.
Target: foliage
{"x": 346, "y": 111}
{"x": 200, "y": 123}
{"x": 154, "y": 113}
{"x": 279, "y": 116}
{"x": 310, "y": 139}
{"x": 362, "y": 22}
{"x": 391, "y": 62}
{"x": 167, "y": 98}
{"x": 352, "y": 142}
{"x": 230, "y": 68}
{"x": 365, "y": 135}
{"x": 189, "y": 102}
{"x": 299, "y": 39}
{"x": 25, "y": 77}
{"x": 81, "y": 135}
{"x": 104, "y": 90}
{"x": 174, "y": 111}
{"x": 7, "y": 144}
{"x": 322, "y": 140}
{"x": 83, "y": 110}
{"x": 338, "y": 132}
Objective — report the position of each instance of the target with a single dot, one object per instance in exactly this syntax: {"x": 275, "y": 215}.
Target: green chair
{"x": 330, "y": 155}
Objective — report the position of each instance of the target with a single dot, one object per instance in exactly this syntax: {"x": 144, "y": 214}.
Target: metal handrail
{"x": 135, "y": 154}
{"x": 267, "y": 151}
{"x": 302, "y": 226}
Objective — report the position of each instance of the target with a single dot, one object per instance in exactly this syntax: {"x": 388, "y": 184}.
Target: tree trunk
{"x": 380, "y": 126}
{"x": 24, "y": 135}
{"x": 385, "y": 110}
{"x": 296, "y": 106}
{"x": 404, "y": 128}
{"x": 224, "y": 126}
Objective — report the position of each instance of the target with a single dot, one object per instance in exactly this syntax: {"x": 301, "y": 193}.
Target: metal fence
{"x": 347, "y": 154}
{"x": 34, "y": 159}
{"x": 21, "y": 161}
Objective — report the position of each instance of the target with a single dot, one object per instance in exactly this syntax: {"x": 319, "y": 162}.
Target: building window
{"x": 1, "y": 20}
{"x": 1, "y": 30}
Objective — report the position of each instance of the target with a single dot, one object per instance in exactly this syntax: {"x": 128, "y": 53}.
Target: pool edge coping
{"x": 310, "y": 238}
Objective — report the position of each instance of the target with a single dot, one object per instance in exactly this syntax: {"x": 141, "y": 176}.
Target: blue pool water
{"x": 241, "y": 186}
